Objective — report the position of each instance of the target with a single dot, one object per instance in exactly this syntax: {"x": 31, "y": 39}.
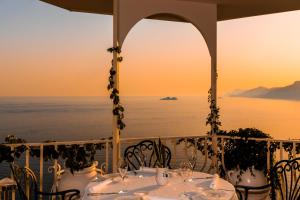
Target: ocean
{"x": 38, "y": 119}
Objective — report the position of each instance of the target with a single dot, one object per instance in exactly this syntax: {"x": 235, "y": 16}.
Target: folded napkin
{"x": 157, "y": 198}
{"x": 99, "y": 186}
{"x": 7, "y": 182}
{"x": 148, "y": 169}
{"x": 216, "y": 182}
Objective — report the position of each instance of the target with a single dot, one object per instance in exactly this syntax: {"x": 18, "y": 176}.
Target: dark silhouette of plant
{"x": 6, "y": 153}
{"x": 118, "y": 110}
{"x": 213, "y": 118}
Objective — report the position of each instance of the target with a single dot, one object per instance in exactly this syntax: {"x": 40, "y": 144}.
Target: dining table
{"x": 143, "y": 185}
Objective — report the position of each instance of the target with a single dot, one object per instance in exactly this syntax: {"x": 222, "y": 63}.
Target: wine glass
{"x": 142, "y": 159}
{"x": 185, "y": 170}
{"x": 192, "y": 156}
{"x": 186, "y": 173}
{"x": 122, "y": 169}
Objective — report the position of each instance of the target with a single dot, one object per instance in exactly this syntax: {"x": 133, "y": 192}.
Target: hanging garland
{"x": 213, "y": 118}
{"x": 118, "y": 110}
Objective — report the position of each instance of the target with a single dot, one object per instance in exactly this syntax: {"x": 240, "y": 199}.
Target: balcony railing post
{"x": 106, "y": 156}
{"x": 13, "y": 192}
{"x": 281, "y": 151}
{"x": 55, "y": 183}
{"x": 294, "y": 150}
{"x": 174, "y": 151}
{"x": 222, "y": 146}
{"x": 268, "y": 155}
{"x": 206, "y": 154}
{"x": 41, "y": 167}
{"x": 215, "y": 152}
{"x": 27, "y": 158}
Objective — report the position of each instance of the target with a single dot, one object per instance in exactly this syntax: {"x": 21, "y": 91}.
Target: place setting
{"x": 148, "y": 183}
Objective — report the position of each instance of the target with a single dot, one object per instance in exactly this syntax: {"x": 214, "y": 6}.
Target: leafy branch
{"x": 213, "y": 118}
{"x": 118, "y": 110}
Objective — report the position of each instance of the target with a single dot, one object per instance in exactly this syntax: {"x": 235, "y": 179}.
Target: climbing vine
{"x": 213, "y": 118}
{"x": 118, "y": 110}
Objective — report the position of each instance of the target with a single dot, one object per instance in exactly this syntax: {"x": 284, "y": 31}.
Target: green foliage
{"x": 288, "y": 147}
{"x": 238, "y": 153}
{"x": 6, "y": 153}
{"x": 118, "y": 110}
{"x": 49, "y": 152}
{"x": 76, "y": 157}
{"x": 213, "y": 118}
{"x": 243, "y": 153}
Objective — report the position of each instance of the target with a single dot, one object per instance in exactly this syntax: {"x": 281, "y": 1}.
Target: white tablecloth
{"x": 147, "y": 188}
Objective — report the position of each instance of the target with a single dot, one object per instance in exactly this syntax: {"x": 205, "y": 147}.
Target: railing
{"x": 212, "y": 153}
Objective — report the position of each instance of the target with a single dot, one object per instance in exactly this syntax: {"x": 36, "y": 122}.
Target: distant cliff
{"x": 290, "y": 92}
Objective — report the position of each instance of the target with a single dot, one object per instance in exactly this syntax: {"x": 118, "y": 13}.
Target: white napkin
{"x": 157, "y": 198}
{"x": 98, "y": 187}
{"x": 7, "y": 181}
{"x": 148, "y": 169}
{"x": 215, "y": 183}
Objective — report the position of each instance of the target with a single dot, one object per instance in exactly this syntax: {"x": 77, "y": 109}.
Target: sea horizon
{"x": 60, "y": 118}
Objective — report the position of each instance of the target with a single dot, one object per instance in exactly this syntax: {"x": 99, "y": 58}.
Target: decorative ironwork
{"x": 244, "y": 191}
{"x": 285, "y": 178}
{"x": 26, "y": 181}
{"x": 146, "y": 148}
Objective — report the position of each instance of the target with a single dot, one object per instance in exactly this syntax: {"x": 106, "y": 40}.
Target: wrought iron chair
{"x": 284, "y": 182}
{"x": 146, "y": 149}
{"x": 244, "y": 191}
{"x": 24, "y": 175}
{"x": 285, "y": 179}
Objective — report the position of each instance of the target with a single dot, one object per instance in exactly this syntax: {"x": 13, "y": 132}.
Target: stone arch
{"x": 202, "y": 15}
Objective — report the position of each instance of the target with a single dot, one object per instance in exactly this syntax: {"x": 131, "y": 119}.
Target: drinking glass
{"x": 186, "y": 173}
{"x": 122, "y": 169}
{"x": 185, "y": 170}
{"x": 192, "y": 156}
{"x": 142, "y": 159}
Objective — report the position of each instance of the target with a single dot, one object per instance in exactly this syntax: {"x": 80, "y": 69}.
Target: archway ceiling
{"x": 227, "y": 9}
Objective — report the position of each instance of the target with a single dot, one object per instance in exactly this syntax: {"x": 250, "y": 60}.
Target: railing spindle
{"x": 222, "y": 153}
{"x": 206, "y": 155}
{"x": 41, "y": 167}
{"x": 27, "y": 158}
{"x": 281, "y": 150}
{"x": 55, "y": 171}
{"x": 175, "y": 151}
{"x": 106, "y": 156}
{"x": 294, "y": 150}
{"x": 13, "y": 192}
{"x": 215, "y": 151}
{"x": 268, "y": 155}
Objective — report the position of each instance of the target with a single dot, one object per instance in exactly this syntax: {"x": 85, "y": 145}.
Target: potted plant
{"x": 246, "y": 160}
{"x": 80, "y": 165}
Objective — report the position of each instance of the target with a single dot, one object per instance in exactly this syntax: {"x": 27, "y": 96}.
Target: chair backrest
{"x": 285, "y": 177}
{"x": 26, "y": 182}
{"x": 146, "y": 149}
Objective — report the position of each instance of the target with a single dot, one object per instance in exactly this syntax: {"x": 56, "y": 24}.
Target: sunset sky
{"x": 48, "y": 51}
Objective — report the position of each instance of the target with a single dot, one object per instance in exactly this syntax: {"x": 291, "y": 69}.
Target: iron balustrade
{"x": 207, "y": 156}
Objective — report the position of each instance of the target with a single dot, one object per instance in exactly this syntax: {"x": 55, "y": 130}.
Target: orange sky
{"x": 47, "y": 51}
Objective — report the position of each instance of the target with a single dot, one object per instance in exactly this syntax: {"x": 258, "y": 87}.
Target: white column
{"x": 116, "y": 131}
{"x": 214, "y": 99}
